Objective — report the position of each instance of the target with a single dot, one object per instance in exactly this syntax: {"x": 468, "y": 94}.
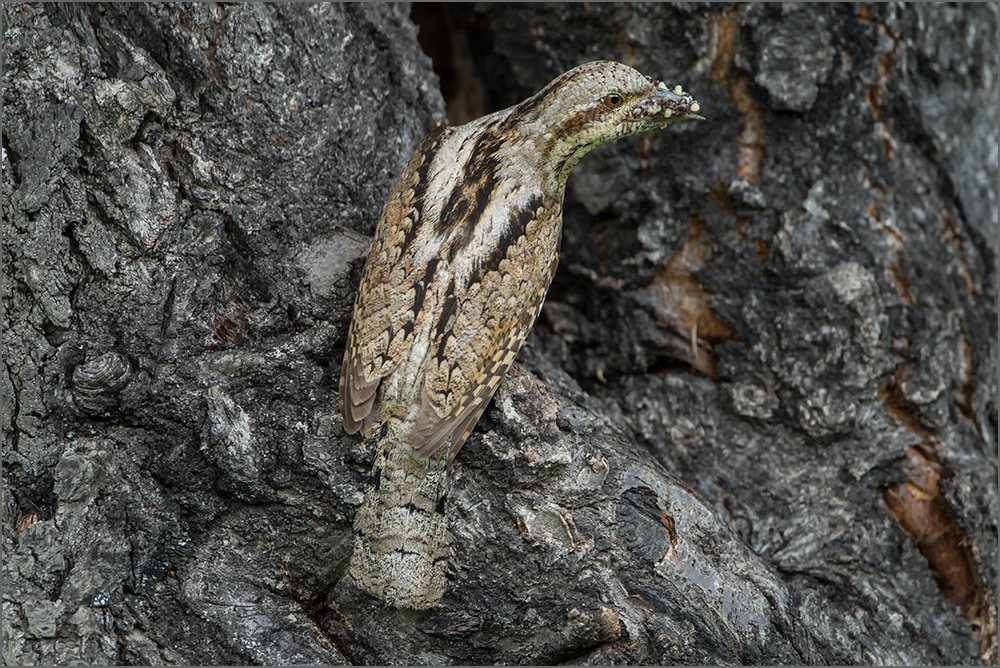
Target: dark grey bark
{"x": 187, "y": 199}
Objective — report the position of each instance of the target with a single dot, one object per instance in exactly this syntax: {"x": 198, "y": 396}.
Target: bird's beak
{"x": 666, "y": 105}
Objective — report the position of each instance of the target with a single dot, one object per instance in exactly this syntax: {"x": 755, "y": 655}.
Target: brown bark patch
{"x": 923, "y": 513}
{"x": 685, "y": 304}
{"x": 749, "y": 141}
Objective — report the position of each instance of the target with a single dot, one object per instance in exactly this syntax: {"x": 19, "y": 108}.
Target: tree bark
{"x": 755, "y": 423}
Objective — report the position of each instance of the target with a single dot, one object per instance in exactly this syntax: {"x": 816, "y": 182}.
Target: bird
{"x": 462, "y": 257}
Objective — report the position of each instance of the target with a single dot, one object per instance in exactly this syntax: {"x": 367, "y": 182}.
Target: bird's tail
{"x": 401, "y": 540}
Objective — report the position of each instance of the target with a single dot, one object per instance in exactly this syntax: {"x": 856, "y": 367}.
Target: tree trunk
{"x": 755, "y": 423}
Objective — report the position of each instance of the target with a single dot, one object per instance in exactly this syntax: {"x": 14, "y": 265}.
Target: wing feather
{"x": 384, "y": 315}
{"x": 486, "y": 336}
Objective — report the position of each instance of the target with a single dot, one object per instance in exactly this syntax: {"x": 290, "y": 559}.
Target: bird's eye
{"x": 613, "y": 100}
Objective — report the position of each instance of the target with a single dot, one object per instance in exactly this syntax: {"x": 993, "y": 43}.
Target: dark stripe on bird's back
{"x": 473, "y": 190}
{"x": 472, "y": 207}
{"x": 420, "y": 294}
{"x": 428, "y": 148}
{"x": 516, "y": 228}
{"x": 442, "y": 329}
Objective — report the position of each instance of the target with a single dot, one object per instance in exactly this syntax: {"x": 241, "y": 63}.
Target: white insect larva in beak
{"x": 678, "y": 90}
{"x": 695, "y": 107}
{"x": 662, "y": 85}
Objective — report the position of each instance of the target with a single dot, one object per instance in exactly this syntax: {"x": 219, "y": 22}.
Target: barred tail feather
{"x": 402, "y": 543}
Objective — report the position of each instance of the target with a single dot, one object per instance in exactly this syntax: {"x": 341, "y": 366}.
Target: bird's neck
{"x": 551, "y": 143}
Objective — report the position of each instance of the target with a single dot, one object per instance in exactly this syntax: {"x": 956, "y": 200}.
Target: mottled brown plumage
{"x": 462, "y": 258}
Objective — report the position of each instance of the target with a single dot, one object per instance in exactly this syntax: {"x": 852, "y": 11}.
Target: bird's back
{"x": 459, "y": 266}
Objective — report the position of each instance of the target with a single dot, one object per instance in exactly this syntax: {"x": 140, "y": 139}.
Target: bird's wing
{"x": 482, "y": 330}
{"x": 386, "y": 314}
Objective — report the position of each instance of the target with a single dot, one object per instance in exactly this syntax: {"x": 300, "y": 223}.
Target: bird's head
{"x": 596, "y": 103}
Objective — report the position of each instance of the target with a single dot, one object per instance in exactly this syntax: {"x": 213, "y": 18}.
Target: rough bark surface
{"x": 756, "y": 421}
